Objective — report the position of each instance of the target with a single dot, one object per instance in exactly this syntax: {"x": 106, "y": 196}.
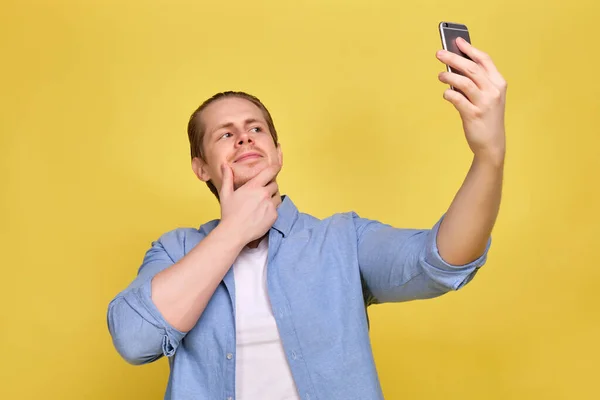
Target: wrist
{"x": 490, "y": 158}
{"x": 228, "y": 232}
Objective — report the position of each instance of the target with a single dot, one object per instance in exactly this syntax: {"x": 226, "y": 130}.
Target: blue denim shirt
{"x": 321, "y": 276}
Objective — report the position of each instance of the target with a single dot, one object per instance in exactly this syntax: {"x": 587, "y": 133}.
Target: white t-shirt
{"x": 262, "y": 369}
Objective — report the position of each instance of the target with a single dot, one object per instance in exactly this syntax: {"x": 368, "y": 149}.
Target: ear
{"x": 200, "y": 169}
{"x": 279, "y": 154}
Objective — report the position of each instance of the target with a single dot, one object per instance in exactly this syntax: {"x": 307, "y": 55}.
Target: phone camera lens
{"x": 445, "y": 25}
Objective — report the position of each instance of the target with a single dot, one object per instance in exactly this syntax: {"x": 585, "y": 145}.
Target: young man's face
{"x": 236, "y": 133}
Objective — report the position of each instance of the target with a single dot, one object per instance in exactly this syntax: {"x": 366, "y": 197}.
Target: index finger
{"x": 265, "y": 176}
{"x": 227, "y": 181}
{"x": 477, "y": 55}
{"x": 467, "y": 67}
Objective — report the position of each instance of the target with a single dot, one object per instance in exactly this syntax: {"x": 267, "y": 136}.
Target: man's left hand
{"x": 482, "y": 106}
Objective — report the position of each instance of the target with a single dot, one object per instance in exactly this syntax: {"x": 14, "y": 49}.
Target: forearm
{"x": 182, "y": 291}
{"x": 468, "y": 223}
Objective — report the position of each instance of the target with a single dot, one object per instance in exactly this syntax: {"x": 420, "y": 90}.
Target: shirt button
{"x": 230, "y": 398}
{"x": 229, "y": 357}
{"x": 294, "y": 355}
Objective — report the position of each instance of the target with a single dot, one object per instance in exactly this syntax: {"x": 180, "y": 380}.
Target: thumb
{"x": 227, "y": 181}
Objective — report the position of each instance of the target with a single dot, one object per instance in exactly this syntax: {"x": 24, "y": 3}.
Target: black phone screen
{"x": 451, "y": 32}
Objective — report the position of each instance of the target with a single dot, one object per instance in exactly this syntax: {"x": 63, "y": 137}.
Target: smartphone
{"x": 449, "y": 32}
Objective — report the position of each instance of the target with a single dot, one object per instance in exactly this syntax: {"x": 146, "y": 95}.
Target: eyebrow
{"x": 231, "y": 124}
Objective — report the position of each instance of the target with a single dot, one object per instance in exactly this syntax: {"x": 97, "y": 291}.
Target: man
{"x": 270, "y": 303}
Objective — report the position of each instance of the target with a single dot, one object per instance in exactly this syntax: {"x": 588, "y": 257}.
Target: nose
{"x": 244, "y": 138}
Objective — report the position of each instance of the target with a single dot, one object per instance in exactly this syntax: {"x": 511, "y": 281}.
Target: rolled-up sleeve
{"x": 139, "y": 332}
{"x": 405, "y": 264}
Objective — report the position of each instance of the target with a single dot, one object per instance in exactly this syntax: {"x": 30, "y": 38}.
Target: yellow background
{"x": 95, "y": 98}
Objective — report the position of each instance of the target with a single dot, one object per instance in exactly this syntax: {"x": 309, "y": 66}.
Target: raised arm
{"x": 470, "y": 219}
{"x": 404, "y": 264}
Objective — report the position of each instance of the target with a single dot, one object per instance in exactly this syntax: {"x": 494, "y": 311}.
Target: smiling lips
{"x": 247, "y": 156}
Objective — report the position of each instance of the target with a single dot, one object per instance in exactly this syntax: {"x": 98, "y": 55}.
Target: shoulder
{"x": 177, "y": 236}
{"x": 341, "y": 220}
{"x": 179, "y": 241}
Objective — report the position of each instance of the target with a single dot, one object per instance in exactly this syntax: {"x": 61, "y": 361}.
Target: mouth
{"x": 247, "y": 156}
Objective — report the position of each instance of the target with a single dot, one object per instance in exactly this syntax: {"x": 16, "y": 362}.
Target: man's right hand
{"x": 251, "y": 209}
{"x": 182, "y": 291}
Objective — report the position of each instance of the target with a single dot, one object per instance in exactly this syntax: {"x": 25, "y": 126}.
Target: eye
{"x": 256, "y": 129}
{"x": 225, "y": 135}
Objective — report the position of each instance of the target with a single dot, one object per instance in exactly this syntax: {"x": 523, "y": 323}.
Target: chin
{"x": 243, "y": 173}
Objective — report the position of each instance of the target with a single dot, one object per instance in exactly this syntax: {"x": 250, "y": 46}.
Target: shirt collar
{"x": 287, "y": 214}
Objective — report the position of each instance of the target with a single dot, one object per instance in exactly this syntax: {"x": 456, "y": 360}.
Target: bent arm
{"x": 153, "y": 314}
{"x": 182, "y": 291}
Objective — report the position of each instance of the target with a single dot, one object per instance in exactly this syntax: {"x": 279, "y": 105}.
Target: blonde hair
{"x": 196, "y": 128}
